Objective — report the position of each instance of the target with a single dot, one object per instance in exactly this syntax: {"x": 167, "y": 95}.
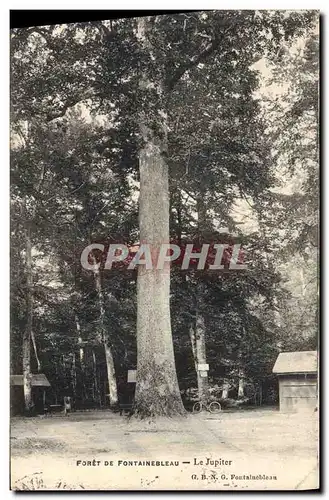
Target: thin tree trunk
{"x": 96, "y": 386}
{"x": 157, "y": 390}
{"x": 79, "y": 341}
{"x": 27, "y": 375}
{"x": 56, "y": 378}
{"x": 100, "y": 390}
{"x": 203, "y": 387}
{"x": 200, "y": 334}
{"x": 35, "y": 350}
{"x": 198, "y": 342}
{"x": 241, "y": 384}
{"x": 83, "y": 392}
{"x": 113, "y": 392}
{"x": 193, "y": 344}
{"x": 28, "y": 333}
{"x": 225, "y": 390}
{"x": 111, "y": 378}
{"x": 74, "y": 376}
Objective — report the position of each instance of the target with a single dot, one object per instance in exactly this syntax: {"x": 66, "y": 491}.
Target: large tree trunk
{"x": 157, "y": 390}
{"x": 27, "y": 375}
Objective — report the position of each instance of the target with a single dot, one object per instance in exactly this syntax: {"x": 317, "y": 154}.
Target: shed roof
{"x": 38, "y": 380}
{"x": 296, "y": 362}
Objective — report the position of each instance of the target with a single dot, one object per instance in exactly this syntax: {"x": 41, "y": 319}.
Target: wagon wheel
{"x": 197, "y": 407}
{"x": 215, "y": 407}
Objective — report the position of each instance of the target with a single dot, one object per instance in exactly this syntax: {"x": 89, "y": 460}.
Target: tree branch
{"x": 70, "y": 103}
{"x": 108, "y": 34}
{"x": 47, "y": 38}
{"x": 196, "y": 59}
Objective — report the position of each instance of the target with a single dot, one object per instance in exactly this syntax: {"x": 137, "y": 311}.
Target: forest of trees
{"x": 155, "y": 129}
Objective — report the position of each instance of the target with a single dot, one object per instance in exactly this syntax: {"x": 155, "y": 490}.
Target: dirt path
{"x": 45, "y": 452}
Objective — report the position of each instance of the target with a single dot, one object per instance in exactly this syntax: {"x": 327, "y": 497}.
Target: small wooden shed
{"x": 39, "y": 385}
{"x": 298, "y": 380}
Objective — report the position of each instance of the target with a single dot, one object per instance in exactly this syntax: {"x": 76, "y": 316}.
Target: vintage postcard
{"x": 164, "y": 250}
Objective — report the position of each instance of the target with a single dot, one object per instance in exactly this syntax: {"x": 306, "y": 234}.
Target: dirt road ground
{"x": 242, "y": 450}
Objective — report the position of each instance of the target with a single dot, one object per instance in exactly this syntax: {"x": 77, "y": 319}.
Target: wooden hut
{"x": 39, "y": 385}
{"x": 298, "y": 382}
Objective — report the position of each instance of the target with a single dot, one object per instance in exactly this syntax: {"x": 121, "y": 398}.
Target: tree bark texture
{"x": 157, "y": 390}
{"x": 27, "y": 375}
